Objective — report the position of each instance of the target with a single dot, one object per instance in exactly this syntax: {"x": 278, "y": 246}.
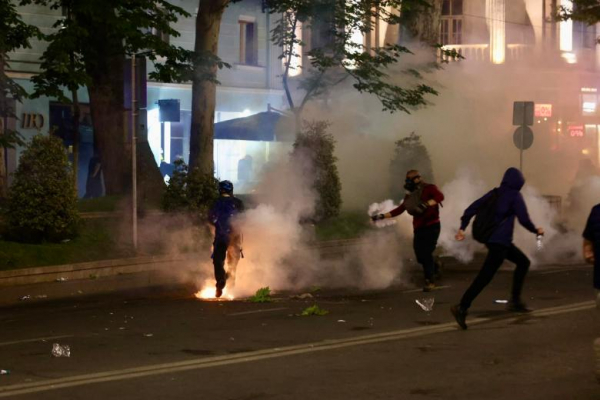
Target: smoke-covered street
{"x": 372, "y": 344}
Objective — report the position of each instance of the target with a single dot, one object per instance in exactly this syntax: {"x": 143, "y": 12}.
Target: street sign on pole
{"x": 523, "y": 116}
{"x": 523, "y": 112}
{"x": 523, "y": 137}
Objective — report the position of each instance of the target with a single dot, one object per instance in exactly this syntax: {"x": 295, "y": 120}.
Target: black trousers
{"x": 229, "y": 249}
{"x": 497, "y": 253}
{"x": 424, "y": 244}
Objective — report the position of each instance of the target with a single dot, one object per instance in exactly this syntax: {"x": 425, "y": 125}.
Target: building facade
{"x": 250, "y": 86}
{"x": 560, "y": 61}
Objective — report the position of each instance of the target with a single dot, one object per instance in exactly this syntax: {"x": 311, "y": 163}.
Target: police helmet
{"x": 226, "y": 187}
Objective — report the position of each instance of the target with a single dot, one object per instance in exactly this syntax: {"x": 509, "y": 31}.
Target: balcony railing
{"x": 481, "y": 52}
{"x": 471, "y": 52}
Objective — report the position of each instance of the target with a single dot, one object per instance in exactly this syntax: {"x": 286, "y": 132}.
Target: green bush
{"x": 410, "y": 153}
{"x": 191, "y": 192}
{"x": 42, "y": 201}
{"x": 318, "y": 146}
{"x": 262, "y": 295}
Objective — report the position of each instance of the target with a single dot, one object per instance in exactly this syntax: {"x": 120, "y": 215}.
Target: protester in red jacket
{"x": 422, "y": 202}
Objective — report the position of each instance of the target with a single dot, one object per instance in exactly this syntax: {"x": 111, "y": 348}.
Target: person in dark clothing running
{"x": 509, "y": 204}
{"x": 591, "y": 247}
{"x": 228, "y": 241}
{"x": 422, "y": 202}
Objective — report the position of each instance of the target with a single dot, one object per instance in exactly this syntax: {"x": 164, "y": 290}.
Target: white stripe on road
{"x": 258, "y": 311}
{"x": 559, "y": 270}
{"x": 421, "y": 290}
{"x": 211, "y": 362}
{"x": 35, "y": 340}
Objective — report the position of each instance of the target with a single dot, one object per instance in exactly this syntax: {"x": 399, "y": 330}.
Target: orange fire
{"x": 208, "y": 292}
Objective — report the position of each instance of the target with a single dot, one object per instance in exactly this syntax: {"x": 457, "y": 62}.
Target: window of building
{"x": 589, "y": 104}
{"x": 452, "y": 21}
{"x": 164, "y": 36}
{"x": 323, "y": 29}
{"x": 589, "y": 36}
{"x": 452, "y": 7}
{"x": 248, "y": 43}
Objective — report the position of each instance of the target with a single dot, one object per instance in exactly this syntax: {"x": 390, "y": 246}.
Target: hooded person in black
{"x": 591, "y": 254}
{"x": 509, "y": 205}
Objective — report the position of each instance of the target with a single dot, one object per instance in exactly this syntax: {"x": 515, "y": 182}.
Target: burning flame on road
{"x": 208, "y": 292}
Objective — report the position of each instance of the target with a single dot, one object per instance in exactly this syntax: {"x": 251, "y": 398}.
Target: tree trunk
{"x": 423, "y": 24}
{"x": 3, "y": 175}
{"x": 204, "y": 92}
{"x": 107, "y": 109}
{"x": 3, "y": 122}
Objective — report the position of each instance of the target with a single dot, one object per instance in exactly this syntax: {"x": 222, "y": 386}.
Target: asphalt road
{"x": 371, "y": 345}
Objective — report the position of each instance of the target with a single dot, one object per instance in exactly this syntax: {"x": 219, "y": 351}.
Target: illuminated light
{"x": 495, "y": 10}
{"x": 356, "y": 42}
{"x": 539, "y": 122}
{"x": 542, "y": 110}
{"x": 246, "y": 113}
{"x": 558, "y": 129}
{"x": 589, "y": 107}
{"x": 576, "y": 131}
{"x": 545, "y": 119}
{"x": 296, "y": 59}
{"x": 154, "y": 139}
{"x": 566, "y": 29}
{"x": 167, "y": 149}
{"x": 570, "y": 58}
{"x": 589, "y": 90}
{"x": 559, "y": 122}
{"x": 585, "y": 152}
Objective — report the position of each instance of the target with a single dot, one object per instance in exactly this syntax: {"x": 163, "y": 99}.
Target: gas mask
{"x": 410, "y": 185}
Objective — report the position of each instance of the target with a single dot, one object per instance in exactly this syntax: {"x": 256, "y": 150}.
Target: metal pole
{"x": 521, "y": 152}
{"x": 133, "y": 155}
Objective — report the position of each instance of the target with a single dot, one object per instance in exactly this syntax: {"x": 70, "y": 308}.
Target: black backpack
{"x": 485, "y": 219}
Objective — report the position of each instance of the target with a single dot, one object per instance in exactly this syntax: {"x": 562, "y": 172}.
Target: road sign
{"x": 523, "y": 112}
{"x": 523, "y": 137}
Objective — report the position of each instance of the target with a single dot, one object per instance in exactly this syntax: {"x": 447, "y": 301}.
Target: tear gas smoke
{"x": 468, "y": 132}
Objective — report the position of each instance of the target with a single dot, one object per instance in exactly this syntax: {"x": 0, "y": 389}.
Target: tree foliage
{"x": 14, "y": 34}
{"x": 587, "y": 11}
{"x": 91, "y": 23}
{"x": 341, "y": 57}
{"x": 89, "y": 47}
{"x": 42, "y": 203}
{"x": 315, "y": 146}
{"x": 410, "y": 153}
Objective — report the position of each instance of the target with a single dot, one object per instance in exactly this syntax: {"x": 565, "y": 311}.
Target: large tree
{"x": 204, "y": 84}
{"x": 14, "y": 34}
{"x": 89, "y": 49}
{"x": 338, "y": 60}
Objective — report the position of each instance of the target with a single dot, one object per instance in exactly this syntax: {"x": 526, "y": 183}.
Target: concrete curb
{"x": 95, "y": 269}
{"x": 106, "y": 268}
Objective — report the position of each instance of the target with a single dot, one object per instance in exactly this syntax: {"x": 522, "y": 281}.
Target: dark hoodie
{"x": 510, "y": 204}
{"x": 592, "y": 233}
